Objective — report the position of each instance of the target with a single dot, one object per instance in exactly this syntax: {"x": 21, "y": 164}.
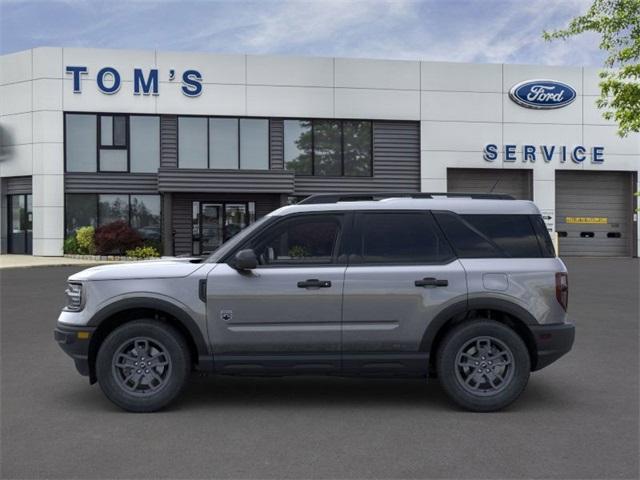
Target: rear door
{"x": 401, "y": 274}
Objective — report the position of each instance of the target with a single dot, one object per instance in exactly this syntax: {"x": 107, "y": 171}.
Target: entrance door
{"x": 211, "y": 227}
{"x": 287, "y": 311}
{"x": 20, "y": 221}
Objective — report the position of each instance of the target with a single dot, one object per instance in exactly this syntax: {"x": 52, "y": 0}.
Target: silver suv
{"x": 465, "y": 288}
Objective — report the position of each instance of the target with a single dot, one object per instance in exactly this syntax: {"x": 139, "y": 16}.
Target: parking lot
{"x": 577, "y": 419}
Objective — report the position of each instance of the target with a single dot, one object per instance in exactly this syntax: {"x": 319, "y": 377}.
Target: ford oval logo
{"x": 543, "y": 94}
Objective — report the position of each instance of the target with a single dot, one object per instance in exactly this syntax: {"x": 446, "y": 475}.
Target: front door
{"x": 287, "y": 312}
{"x": 401, "y": 274}
{"x": 20, "y": 221}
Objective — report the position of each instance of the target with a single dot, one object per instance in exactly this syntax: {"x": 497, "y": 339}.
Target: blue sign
{"x": 542, "y": 94}
{"x": 530, "y": 153}
{"x": 108, "y": 80}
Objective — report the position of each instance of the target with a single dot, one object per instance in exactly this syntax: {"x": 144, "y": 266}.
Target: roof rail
{"x": 358, "y": 197}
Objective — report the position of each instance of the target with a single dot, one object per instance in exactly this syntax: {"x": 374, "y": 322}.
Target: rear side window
{"x": 400, "y": 238}
{"x": 483, "y": 236}
{"x": 544, "y": 239}
{"x": 467, "y": 241}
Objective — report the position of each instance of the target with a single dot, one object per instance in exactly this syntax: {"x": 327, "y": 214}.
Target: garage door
{"x": 516, "y": 183}
{"x": 594, "y": 213}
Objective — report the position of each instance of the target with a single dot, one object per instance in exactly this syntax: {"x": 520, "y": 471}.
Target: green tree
{"x": 618, "y": 23}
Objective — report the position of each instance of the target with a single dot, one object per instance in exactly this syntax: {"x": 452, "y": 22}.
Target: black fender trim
{"x": 456, "y": 309}
{"x": 204, "y": 355}
{"x": 464, "y": 307}
{"x": 504, "y": 306}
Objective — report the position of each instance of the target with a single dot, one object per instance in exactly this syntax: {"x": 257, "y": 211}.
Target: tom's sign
{"x": 108, "y": 80}
{"x": 542, "y": 94}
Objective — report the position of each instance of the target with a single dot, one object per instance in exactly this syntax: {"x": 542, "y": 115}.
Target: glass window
{"x": 297, "y": 146}
{"x": 223, "y": 143}
{"x": 327, "y": 148}
{"x": 192, "y": 142}
{"x": 17, "y": 213}
{"x": 106, "y": 130}
{"x": 466, "y": 240}
{"x": 544, "y": 239}
{"x": 80, "y": 142}
{"x": 112, "y": 208}
{"x": 145, "y": 216}
{"x": 144, "y": 143}
{"x": 402, "y": 238}
{"x": 81, "y": 210}
{"x": 302, "y": 240}
{"x": 357, "y": 148}
{"x": 113, "y": 131}
{"x": 113, "y": 160}
{"x": 254, "y": 144}
{"x": 513, "y": 234}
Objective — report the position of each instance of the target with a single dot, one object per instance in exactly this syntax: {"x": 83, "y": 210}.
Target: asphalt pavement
{"x": 578, "y": 418}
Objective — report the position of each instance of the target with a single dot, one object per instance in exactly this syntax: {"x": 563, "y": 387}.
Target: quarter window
{"x": 513, "y": 234}
{"x": 399, "y": 238}
{"x": 300, "y": 241}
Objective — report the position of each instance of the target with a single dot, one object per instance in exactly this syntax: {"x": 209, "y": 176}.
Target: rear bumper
{"x": 552, "y": 342}
{"x": 74, "y": 341}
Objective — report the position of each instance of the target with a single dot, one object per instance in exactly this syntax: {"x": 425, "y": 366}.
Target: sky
{"x": 484, "y": 31}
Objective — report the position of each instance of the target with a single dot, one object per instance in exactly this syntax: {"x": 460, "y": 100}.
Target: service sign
{"x": 542, "y": 94}
{"x": 587, "y": 220}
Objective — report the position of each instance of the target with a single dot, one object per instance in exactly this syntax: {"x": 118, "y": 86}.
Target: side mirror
{"x": 245, "y": 260}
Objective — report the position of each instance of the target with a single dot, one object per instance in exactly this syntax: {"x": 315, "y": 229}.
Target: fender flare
{"x": 204, "y": 356}
{"x": 464, "y": 307}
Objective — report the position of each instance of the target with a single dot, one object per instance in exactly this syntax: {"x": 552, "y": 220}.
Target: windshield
{"x": 234, "y": 241}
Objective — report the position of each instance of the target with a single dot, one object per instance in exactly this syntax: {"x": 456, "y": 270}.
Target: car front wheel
{"x": 483, "y": 365}
{"x": 143, "y": 365}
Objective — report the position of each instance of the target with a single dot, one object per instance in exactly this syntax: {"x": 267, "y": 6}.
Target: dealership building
{"x": 189, "y": 148}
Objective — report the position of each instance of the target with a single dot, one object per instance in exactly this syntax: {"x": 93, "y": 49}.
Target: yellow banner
{"x": 587, "y": 220}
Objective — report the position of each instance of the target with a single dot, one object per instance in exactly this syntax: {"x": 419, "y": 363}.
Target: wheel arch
{"x": 126, "y": 310}
{"x": 510, "y": 314}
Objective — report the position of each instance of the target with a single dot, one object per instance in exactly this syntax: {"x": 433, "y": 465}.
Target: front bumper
{"x": 552, "y": 342}
{"x": 75, "y": 343}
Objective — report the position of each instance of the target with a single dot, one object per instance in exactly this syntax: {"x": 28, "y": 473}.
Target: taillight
{"x": 562, "y": 289}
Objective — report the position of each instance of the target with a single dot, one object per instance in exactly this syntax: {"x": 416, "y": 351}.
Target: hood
{"x": 164, "y": 268}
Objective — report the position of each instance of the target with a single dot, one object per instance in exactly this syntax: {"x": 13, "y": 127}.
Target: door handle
{"x": 314, "y": 283}
{"x": 431, "y": 282}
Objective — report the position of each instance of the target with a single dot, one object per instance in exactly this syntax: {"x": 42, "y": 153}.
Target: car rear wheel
{"x": 143, "y": 365}
{"x": 483, "y": 365}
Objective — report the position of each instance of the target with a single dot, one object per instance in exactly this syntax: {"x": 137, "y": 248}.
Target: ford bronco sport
{"x": 465, "y": 288}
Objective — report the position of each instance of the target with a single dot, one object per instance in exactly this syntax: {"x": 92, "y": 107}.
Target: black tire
{"x": 460, "y": 358}
{"x": 161, "y": 384}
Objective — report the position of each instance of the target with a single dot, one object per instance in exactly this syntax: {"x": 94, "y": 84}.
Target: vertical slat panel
{"x": 276, "y": 143}
{"x": 168, "y": 141}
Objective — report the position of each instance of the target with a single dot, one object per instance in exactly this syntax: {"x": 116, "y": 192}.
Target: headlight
{"x": 74, "y": 297}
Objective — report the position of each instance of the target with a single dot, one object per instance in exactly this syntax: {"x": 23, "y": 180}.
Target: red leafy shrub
{"x": 116, "y": 238}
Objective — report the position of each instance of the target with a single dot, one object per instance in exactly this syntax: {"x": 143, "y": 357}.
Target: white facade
{"x": 461, "y": 107}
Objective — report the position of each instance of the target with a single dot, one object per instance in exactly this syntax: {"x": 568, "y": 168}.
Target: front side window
{"x": 300, "y": 241}
{"x": 400, "y": 238}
